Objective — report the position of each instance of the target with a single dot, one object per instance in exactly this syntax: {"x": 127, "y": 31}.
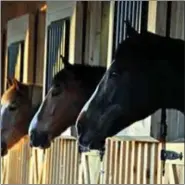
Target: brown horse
{"x": 18, "y": 104}
{"x": 70, "y": 89}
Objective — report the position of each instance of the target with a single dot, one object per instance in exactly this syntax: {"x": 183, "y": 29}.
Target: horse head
{"x": 18, "y": 104}
{"x": 146, "y": 74}
{"x": 71, "y": 87}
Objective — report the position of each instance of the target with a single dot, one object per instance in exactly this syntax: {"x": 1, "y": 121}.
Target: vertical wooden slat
{"x": 159, "y": 177}
{"x": 57, "y": 159}
{"x": 68, "y": 161}
{"x": 72, "y": 158}
{"x": 62, "y": 161}
{"x": 122, "y": 162}
{"x": 133, "y": 156}
{"x": 64, "y": 148}
{"x": 76, "y": 162}
{"x": 116, "y": 162}
{"x": 152, "y": 163}
{"x": 145, "y": 157}
{"x": 85, "y": 168}
{"x": 139, "y": 166}
{"x": 111, "y": 169}
{"x": 126, "y": 161}
{"x": 107, "y": 153}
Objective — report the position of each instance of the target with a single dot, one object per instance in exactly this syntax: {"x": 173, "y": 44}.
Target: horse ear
{"x": 65, "y": 61}
{"x": 16, "y": 83}
{"x": 130, "y": 30}
{"x": 9, "y": 81}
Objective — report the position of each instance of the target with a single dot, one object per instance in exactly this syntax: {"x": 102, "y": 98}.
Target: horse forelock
{"x": 83, "y": 73}
{"x": 9, "y": 95}
{"x": 152, "y": 48}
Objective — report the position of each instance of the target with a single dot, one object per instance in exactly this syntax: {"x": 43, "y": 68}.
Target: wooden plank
{"x": 139, "y": 166}
{"x": 126, "y": 161}
{"x": 152, "y": 162}
{"x": 121, "y": 177}
{"x": 133, "y": 159}
{"x": 67, "y": 161}
{"x": 93, "y": 160}
{"x": 171, "y": 174}
{"x": 159, "y": 166}
{"x": 116, "y": 162}
{"x": 104, "y": 32}
{"x": 85, "y": 169}
{"x": 106, "y": 161}
{"x": 152, "y": 8}
{"x": 111, "y": 172}
{"x": 76, "y": 163}
{"x": 62, "y": 161}
{"x": 110, "y": 35}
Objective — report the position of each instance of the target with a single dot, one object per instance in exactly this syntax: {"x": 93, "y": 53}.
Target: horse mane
{"x": 86, "y": 74}
{"x": 153, "y": 48}
{"x": 35, "y": 92}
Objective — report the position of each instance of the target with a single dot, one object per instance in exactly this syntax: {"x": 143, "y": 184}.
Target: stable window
{"x": 57, "y": 44}
{"x": 135, "y": 12}
{"x": 15, "y": 60}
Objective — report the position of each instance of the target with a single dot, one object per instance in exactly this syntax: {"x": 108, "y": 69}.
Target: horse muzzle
{"x": 39, "y": 139}
{"x": 4, "y": 149}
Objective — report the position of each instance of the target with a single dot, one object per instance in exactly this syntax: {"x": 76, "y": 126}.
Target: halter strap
{"x": 163, "y": 133}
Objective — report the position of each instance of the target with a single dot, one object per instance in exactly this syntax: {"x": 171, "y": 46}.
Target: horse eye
{"x": 55, "y": 91}
{"x": 114, "y": 74}
{"x": 12, "y": 107}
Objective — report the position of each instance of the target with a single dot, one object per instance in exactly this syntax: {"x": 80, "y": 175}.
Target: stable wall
{"x": 12, "y": 10}
{"x": 175, "y": 29}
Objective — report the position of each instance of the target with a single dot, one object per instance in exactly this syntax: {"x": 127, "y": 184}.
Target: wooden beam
{"x": 110, "y": 35}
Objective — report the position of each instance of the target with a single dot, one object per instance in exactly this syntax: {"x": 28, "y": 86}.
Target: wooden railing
{"x": 125, "y": 162}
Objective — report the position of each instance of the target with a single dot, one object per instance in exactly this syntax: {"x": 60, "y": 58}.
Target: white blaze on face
{"x": 35, "y": 125}
{"x": 86, "y": 106}
{"x": 3, "y": 109}
{"x": 5, "y": 123}
{"x": 4, "y": 116}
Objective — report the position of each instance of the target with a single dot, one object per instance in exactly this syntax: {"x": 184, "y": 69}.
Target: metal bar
{"x": 121, "y": 21}
{"x": 22, "y": 61}
{"x": 12, "y": 58}
{"x": 125, "y": 18}
{"x": 139, "y": 16}
{"x": 117, "y": 25}
{"x": 131, "y": 11}
{"x": 135, "y": 14}
{"x": 54, "y": 38}
{"x": 48, "y": 58}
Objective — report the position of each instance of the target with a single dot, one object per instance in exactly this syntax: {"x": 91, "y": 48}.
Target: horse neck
{"x": 173, "y": 90}
{"x": 92, "y": 77}
{"x": 35, "y": 96}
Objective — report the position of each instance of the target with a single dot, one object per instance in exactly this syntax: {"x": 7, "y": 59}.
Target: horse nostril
{"x": 39, "y": 139}
{"x": 33, "y": 135}
{"x": 79, "y": 128}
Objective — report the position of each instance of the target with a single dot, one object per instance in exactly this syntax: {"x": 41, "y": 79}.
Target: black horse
{"x": 146, "y": 74}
